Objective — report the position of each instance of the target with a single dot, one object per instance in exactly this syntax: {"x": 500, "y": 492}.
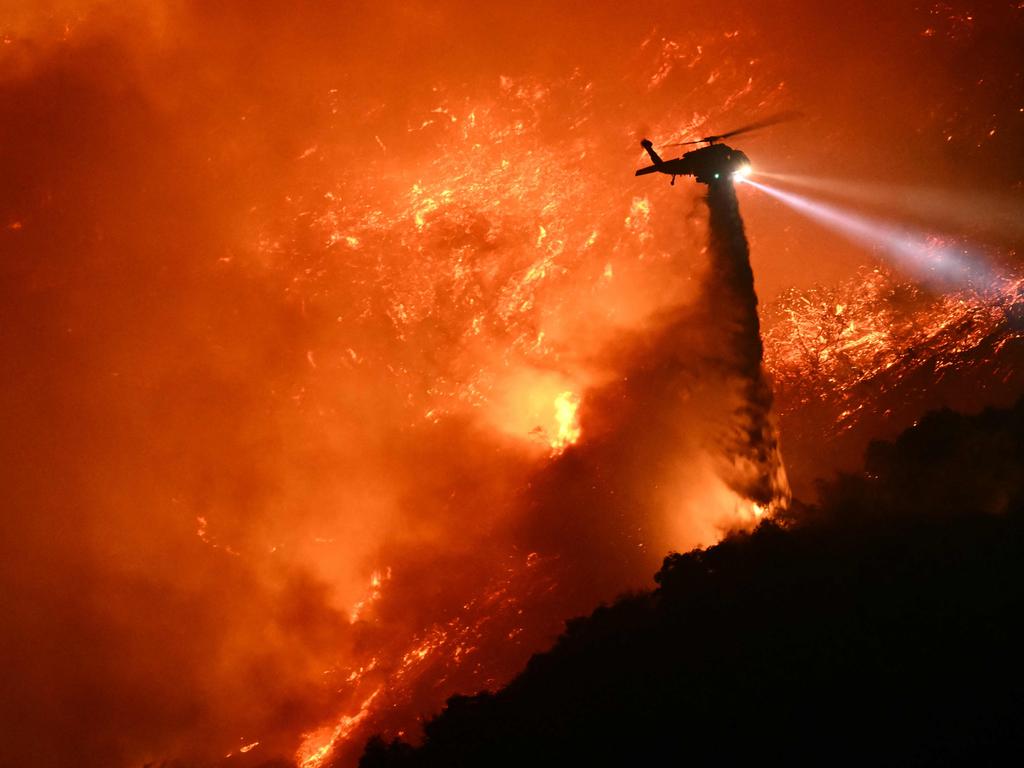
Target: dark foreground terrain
{"x": 881, "y": 627}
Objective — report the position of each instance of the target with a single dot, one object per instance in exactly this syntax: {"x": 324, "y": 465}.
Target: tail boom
{"x": 646, "y": 144}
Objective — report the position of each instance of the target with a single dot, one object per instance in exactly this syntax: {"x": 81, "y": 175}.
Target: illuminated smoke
{"x": 969, "y": 211}
{"x": 924, "y": 255}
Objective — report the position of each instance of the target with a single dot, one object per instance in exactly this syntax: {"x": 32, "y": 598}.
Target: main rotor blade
{"x": 695, "y": 141}
{"x": 781, "y": 117}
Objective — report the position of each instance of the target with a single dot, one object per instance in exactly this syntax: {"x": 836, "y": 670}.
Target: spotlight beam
{"x": 925, "y": 254}
{"x": 986, "y": 212}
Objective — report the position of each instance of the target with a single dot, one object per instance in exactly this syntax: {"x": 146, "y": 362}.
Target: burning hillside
{"x": 346, "y": 359}
{"x": 861, "y": 360}
{"x": 886, "y": 620}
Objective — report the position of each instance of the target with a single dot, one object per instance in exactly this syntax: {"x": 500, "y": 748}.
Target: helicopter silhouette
{"x": 714, "y": 163}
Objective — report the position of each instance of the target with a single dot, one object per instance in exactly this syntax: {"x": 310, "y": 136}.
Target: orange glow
{"x": 347, "y": 358}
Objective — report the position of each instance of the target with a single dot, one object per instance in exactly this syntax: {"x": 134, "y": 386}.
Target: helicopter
{"x": 714, "y": 163}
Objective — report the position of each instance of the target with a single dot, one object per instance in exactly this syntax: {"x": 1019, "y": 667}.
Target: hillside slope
{"x": 882, "y": 626}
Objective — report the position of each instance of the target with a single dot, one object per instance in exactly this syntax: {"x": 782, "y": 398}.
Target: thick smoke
{"x": 209, "y": 452}
{"x": 288, "y": 292}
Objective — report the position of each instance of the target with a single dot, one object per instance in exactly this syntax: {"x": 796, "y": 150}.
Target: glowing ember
{"x": 244, "y": 749}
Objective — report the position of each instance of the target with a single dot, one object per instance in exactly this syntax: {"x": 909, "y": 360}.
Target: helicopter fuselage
{"x": 708, "y": 164}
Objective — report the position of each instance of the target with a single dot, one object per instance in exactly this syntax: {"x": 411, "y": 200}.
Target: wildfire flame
{"x": 566, "y": 406}
{"x": 376, "y": 583}
{"x": 317, "y": 746}
{"x": 831, "y": 342}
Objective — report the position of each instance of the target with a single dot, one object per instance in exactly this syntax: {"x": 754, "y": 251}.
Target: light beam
{"x": 967, "y": 210}
{"x": 925, "y": 254}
